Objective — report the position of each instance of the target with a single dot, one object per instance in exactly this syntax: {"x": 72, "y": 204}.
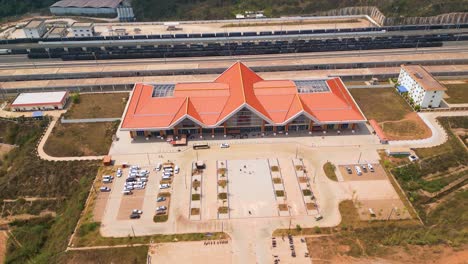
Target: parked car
{"x": 108, "y": 177}
{"x": 370, "y": 167}
{"x": 136, "y": 211}
{"x": 160, "y": 212}
{"x": 224, "y": 145}
{"x": 364, "y": 168}
{"x": 349, "y": 170}
{"x": 161, "y": 208}
{"x": 119, "y": 173}
{"x": 107, "y": 180}
{"x": 161, "y": 199}
{"x": 166, "y": 177}
{"x": 158, "y": 167}
{"x": 105, "y": 189}
{"x": 127, "y": 192}
{"x": 358, "y": 170}
{"x": 318, "y": 217}
{"x": 176, "y": 169}
{"x": 413, "y": 158}
{"x": 164, "y": 186}
{"x": 135, "y": 216}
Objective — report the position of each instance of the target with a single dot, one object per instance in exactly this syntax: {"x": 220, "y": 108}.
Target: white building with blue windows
{"x": 421, "y": 86}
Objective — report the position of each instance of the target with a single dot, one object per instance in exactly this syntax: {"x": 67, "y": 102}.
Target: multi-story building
{"x": 421, "y": 86}
{"x": 35, "y": 29}
{"x": 240, "y": 102}
{"x": 80, "y": 29}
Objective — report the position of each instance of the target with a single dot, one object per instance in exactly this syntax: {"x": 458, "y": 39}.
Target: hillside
{"x": 12, "y": 8}
{"x": 146, "y": 10}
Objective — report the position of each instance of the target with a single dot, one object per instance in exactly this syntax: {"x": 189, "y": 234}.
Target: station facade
{"x": 239, "y": 102}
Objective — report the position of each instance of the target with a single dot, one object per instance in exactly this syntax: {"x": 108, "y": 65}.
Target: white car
{"x": 164, "y": 186}
{"x": 413, "y": 158}
{"x": 224, "y": 145}
{"x": 158, "y": 167}
{"x": 176, "y": 169}
{"x": 161, "y": 208}
{"x": 136, "y": 211}
{"x": 370, "y": 167}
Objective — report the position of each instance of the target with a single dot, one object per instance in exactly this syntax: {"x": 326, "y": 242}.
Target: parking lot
{"x": 366, "y": 175}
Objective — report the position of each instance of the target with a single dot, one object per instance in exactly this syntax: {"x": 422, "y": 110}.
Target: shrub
{"x": 88, "y": 228}
{"x": 75, "y": 97}
{"x": 307, "y": 192}
{"x": 195, "y": 184}
{"x": 222, "y": 196}
{"x": 160, "y": 218}
{"x": 222, "y": 183}
{"x": 195, "y": 197}
{"x": 298, "y": 228}
{"x": 277, "y": 180}
{"x": 274, "y": 168}
{"x": 223, "y": 210}
{"x": 279, "y": 193}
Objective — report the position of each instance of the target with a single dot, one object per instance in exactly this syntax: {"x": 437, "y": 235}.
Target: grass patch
{"x": 164, "y": 194}
{"x": 195, "y": 197}
{"x": 160, "y": 218}
{"x": 279, "y": 193}
{"x": 195, "y": 211}
{"x": 109, "y": 255}
{"x": 458, "y": 93}
{"x": 306, "y": 192}
{"x": 330, "y": 171}
{"x": 277, "y": 181}
{"x": 98, "y": 105}
{"x": 381, "y": 104}
{"x": 223, "y": 210}
{"x": 274, "y": 168}
{"x": 222, "y": 196}
{"x": 87, "y": 139}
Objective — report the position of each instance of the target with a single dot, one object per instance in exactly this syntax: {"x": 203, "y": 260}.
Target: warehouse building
{"x": 421, "y": 86}
{"x": 35, "y": 29}
{"x": 40, "y": 101}
{"x": 91, "y": 7}
{"x": 240, "y": 102}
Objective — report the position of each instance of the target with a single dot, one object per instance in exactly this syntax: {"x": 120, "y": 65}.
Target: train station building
{"x": 240, "y": 102}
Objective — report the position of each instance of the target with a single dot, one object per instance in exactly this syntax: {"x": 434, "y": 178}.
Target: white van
{"x": 168, "y": 174}
{"x": 358, "y": 170}
{"x": 168, "y": 169}
{"x": 166, "y": 177}
{"x": 107, "y": 180}
{"x": 369, "y": 166}
{"x": 176, "y": 170}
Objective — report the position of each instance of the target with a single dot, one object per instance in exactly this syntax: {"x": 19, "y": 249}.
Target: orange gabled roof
{"x": 210, "y": 104}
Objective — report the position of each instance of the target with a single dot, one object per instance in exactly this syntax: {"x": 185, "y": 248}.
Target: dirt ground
{"x": 192, "y": 252}
{"x": 378, "y": 174}
{"x": 457, "y": 93}
{"x": 383, "y": 209}
{"x": 100, "y": 206}
{"x": 98, "y": 105}
{"x": 410, "y": 127}
{"x": 330, "y": 250}
{"x": 5, "y": 148}
{"x": 3, "y": 244}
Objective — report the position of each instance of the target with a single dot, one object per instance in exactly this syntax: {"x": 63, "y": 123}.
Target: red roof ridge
{"x": 242, "y": 81}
